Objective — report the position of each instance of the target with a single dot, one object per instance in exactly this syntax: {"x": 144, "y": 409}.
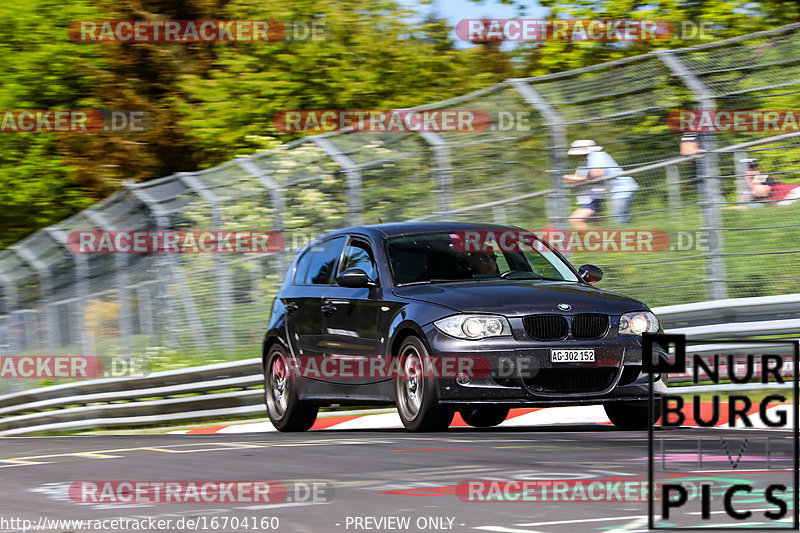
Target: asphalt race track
{"x": 375, "y": 475}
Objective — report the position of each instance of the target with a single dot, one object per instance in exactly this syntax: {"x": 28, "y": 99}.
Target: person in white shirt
{"x": 596, "y": 164}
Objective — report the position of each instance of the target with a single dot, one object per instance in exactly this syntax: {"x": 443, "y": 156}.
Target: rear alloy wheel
{"x": 484, "y": 417}
{"x": 416, "y": 390}
{"x": 632, "y": 415}
{"x": 285, "y": 410}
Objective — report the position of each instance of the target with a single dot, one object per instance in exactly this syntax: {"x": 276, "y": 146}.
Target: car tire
{"x": 416, "y": 391}
{"x": 632, "y": 415}
{"x": 484, "y": 417}
{"x": 285, "y": 410}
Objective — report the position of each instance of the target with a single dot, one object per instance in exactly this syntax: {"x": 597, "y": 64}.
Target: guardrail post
{"x": 709, "y": 169}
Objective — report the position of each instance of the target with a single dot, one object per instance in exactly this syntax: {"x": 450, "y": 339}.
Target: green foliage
{"x": 723, "y": 18}
{"x": 41, "y": 69}
{"x": 369, "y": 57}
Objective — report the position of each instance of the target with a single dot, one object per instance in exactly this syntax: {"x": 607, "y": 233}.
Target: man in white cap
{"x": 596, "y": 164}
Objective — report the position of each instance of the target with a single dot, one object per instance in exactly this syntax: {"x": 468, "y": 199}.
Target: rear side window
{"x": 318, "y": 264}
{"x": 302, "y": 267}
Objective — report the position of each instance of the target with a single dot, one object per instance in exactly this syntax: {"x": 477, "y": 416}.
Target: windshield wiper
{"x": 437, "y": 280}
{"x": 537, "y": 278}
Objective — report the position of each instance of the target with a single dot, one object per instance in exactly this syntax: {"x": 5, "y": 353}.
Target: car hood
{"x": 521, "y": 297}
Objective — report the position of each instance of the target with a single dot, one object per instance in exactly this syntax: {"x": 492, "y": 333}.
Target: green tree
{"x": 41, "y": 69}
{"x": 724, "y": 18}
{"x": 370, "y": 58}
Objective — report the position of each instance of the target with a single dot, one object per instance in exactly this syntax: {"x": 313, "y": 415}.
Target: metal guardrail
{"x": 228, "y": 390}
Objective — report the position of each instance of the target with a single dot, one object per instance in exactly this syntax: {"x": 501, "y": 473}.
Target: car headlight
{"x": 474, "y": 327}
{"x": 637, "y": 323}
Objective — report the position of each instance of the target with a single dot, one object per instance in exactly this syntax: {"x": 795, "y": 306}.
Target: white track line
{"x": 581, "y": 414}
{"x": 383, "y": 421}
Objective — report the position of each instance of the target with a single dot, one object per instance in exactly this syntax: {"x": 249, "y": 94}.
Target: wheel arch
{"x": 402, "y": 332}
{"x": 269, "y": 341}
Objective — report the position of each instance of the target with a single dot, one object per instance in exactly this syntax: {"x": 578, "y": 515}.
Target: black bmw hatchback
{"x": 443, "y": 317}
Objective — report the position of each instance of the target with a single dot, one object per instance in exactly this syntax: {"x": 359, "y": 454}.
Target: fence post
{"x": 673, "y": 186}
{"x": 558, "y": 203}
{"x": 163, "y": 298}
{"x": 278, "y": 206}
{"x": 10, "y": 297}
{"x": 224, "y": 286}
{"x": 221, "y": 269}
{"x": 742, "y": 189}
{"x": 162, "y": 267}
{"x": 13, "y": 341}
{"x": 712, "y": 196}
{"x": 121, "y": 265}
{"x": 45, "y": 290}
{"x": 442, "y": 168}
{"x": 81, "y": 288}
{"x": 352, "y": 175}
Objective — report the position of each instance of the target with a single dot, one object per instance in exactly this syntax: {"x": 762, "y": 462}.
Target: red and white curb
{"x": 518, "y": 417}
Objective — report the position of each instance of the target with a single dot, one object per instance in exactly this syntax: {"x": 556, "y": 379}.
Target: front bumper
{"x": 517, "y": 371}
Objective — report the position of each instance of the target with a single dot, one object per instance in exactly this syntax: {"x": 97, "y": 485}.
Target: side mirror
{"x": 590, "y": 273}
{"x": 354, "y": 278}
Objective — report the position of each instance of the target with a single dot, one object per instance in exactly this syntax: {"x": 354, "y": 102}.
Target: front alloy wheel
{"x": 285, "y": 410}
{"x": 416, "y": 392}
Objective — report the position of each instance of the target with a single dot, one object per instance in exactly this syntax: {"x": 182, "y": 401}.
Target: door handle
{"x": 328, "y": 307}
{"x": 290, "y": 307}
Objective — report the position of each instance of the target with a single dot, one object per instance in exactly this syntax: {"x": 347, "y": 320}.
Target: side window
{"x": 302, "y": 267}
{"x": 323, "y": 261}
{"x": 359, "y": 255}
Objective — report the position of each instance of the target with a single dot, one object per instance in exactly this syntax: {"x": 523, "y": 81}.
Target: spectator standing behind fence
{"x": 765, "y": 189}
{"x": 690, "y": 147}
{"x": 596, "y": 164}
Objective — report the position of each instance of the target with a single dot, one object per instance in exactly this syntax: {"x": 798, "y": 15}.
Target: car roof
{"x": 397, "y": 229}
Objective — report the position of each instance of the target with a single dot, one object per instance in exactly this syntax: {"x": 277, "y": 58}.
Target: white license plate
{"x": 572, "y": 356}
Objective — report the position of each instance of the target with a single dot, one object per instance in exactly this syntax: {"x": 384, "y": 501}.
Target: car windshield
{"x": 473, "y": 255}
